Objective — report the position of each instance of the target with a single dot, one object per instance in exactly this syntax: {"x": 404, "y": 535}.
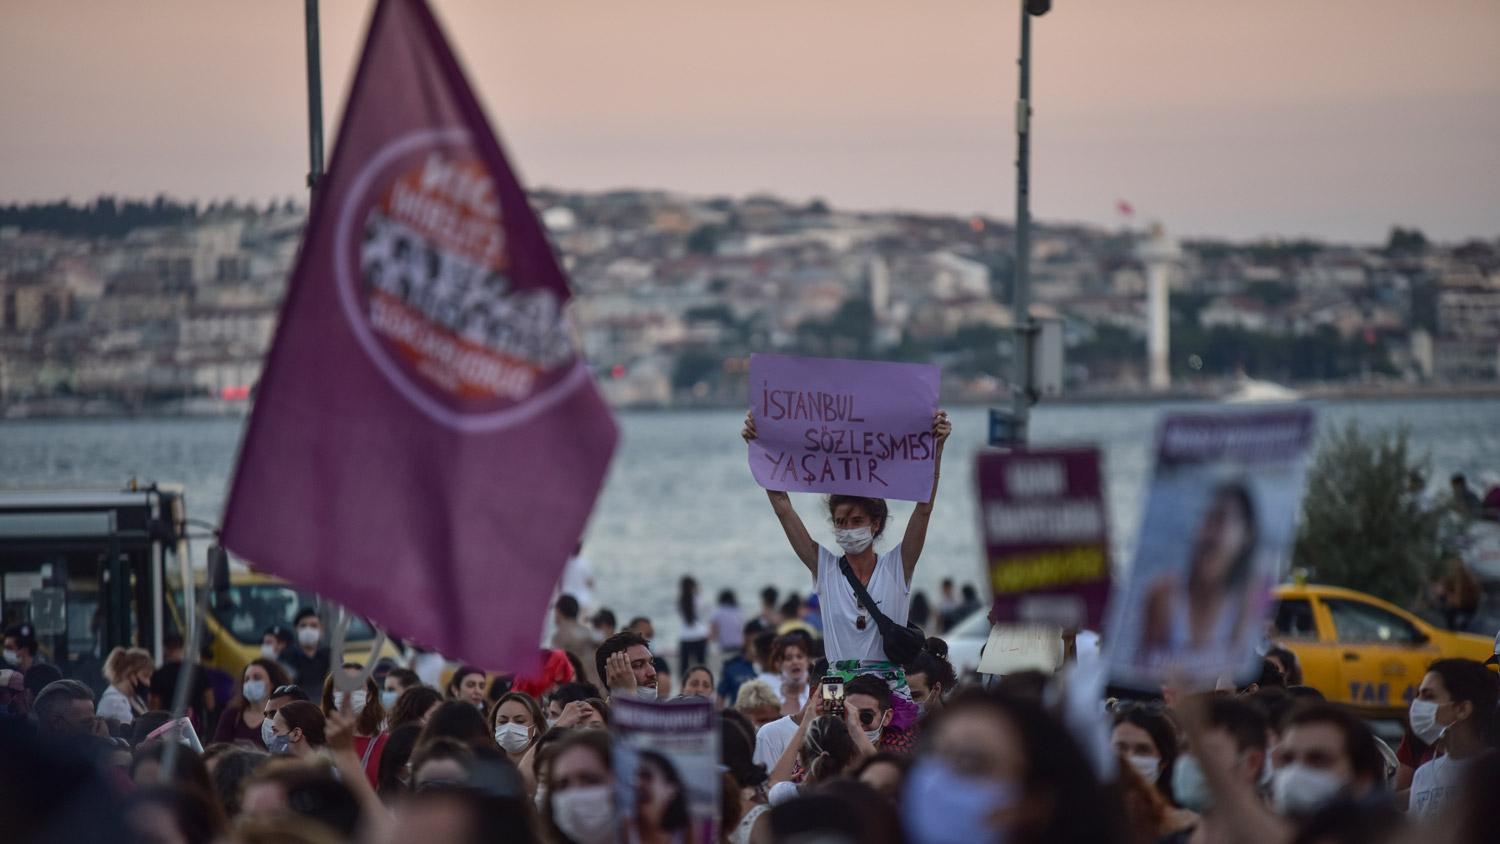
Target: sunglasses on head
{"x": 1150, "y": 707}
{"x": 283, "y": 691}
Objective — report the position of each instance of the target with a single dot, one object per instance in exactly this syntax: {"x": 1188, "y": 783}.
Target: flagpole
{"x": 314, "y": 98}
{"x": 1022, "y": 390}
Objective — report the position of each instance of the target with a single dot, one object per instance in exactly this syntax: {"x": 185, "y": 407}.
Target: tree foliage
{"x": 1362, "y": 527}
{"x": 106, "y": 216}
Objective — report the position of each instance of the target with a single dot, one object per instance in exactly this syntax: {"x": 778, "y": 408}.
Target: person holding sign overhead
{"x": 851, "y": 635}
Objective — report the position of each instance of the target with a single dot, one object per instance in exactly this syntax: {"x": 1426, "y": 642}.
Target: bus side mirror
{"x": 218, "y": 570}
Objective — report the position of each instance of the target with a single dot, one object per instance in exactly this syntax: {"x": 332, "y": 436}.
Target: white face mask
{"x": 266, "y": 731}
{"x": 268, "y": 651}
{"x": 853, "y": 540}
{"x": 357, "y": 702}
{"x": 1300, "y": 790}
{"x": 12, "y": 657}
{"x": 512, "y": 737}
{"x": 255, "y": 690}
{"x": 388, "y": 698}
{"x": 1149, "y": 767}
{"x": 308, "y": 637}
{"x": 873, "y": 736}
{"x": 647, "y": 693}
{"x": 1423, "y": 716}
{"x": 586, "y": 814}
{"x": 541, "y": 797}
{"x": 1189, "y": 785}
{"x": 551, "y": 722}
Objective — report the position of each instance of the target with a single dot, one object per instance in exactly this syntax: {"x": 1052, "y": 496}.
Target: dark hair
{"x": 765, "y": 643}
{"x": 876, "y": 508}
{"x": 281, "y": 634}
{"x": 459, "y": 721}
{"x": 275, "y": 674}
{"x": 194, "y": 813}
{"x": 704, "y": 669}
{"x": 534, "y": 709}
{"x": 570, "y": 692}
{"x": 1244, "y": 564}
{"x": 1163, "y": 737}
{"x": 1244, "y": 722}
{"x": 726, "y": 598}
{"x": 230, "y": 772}
{"x": 595, "y": 741}
{"x": 640, "y": 619}
{"x": 604, "y": 617}
{"x": 1305, "y": 693}
{"x": 1275, "y": 703}
{"x": 304, "y": 613}
{"x": 40, "y": 676}
{"x": 1270, "y": 677}
{"x": 882, "y": 757}
{"x": 676, "y": 815}
{"x": 187, "y": 767}
{"x": 303, "y": 715}
{"x": 1359, "y": 742}
{"x": 920, "y": 611}
{"x": 947, "y": 583}
{"x": 411, "y": 705}
{"x": 933, "y": 663}
{"x": 737, "y": 750}
{"x": 457, "y": 679}
{"x": 876, "y": 815}
{"x": 618, "y": 643}
{"x": 788, "y": 640}
{"x": 601, "y": 707}
{"x": 368, "y": 720}
{"x": 57, "y": 695}
{"x": 1345, "y": 821}
{"x": 1471, "y": 681}
{"x": 868, "y": 684}
{"x": 1056, "y": 770}
{"x": 968, "y": 592}
{"x": 314, "y": 792}
{"x": 405, "y": 676}
{"x": 173, "y": 641}
{"x": 1293, "y": 668}
{"x": 768, "y": 596}
{"x": 567, "y": 607}
{"x": 441, "y": 748}
{"x": 393, "y": 758}
{"x": 827, "y": 749}
{"x": 687, "y": 590}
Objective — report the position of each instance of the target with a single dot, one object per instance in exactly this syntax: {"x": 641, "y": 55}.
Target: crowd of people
{"x": 824, "y": 736}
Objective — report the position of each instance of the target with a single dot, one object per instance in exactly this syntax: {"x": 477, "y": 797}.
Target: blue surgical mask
{"x": 279, "y": 745}
{"x": 388, "y": 699}
{"x": 267, "y": 731}
{"x": 942, "y": 806}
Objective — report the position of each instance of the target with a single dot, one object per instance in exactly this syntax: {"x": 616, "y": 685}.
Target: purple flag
{"x": 427, "y": 443}
{"x": 846, "y": 426}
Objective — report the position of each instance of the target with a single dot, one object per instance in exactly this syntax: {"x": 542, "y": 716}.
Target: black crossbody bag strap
{"x": 882, "y": 621}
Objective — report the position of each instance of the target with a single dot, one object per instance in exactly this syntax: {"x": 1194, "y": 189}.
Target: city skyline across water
{"x": 680, "y": 500}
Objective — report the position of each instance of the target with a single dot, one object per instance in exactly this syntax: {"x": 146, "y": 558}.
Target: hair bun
{"x": 937, "y": 647}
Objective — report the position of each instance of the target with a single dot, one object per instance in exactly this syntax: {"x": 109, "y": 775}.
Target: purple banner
{"x": 1045, "y": 534}
{"x": 843, "y": 426}
{"x": 426, "y": 443}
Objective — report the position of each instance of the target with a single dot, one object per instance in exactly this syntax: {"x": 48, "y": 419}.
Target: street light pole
{"x": 314, "y": 98}
{"x": 1022, "y": 389}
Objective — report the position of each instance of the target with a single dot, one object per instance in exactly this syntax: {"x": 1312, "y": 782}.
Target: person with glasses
{"x": 245, "y": 716}
{"x": 280, "y": 696}
{"x": 867, "y": 699}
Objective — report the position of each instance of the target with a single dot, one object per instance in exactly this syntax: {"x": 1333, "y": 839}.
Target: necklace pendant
{"x": 859, "y": 623}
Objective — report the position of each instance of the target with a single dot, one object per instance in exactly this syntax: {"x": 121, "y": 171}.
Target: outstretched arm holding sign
{"x": 916, "y": 528}
{"x": 796, "y": 532}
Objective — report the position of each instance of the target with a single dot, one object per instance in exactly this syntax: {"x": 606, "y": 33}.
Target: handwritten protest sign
{"x": 843, "y": 426}
{"x": 666, "y": 764}
{"x": 1219, "y": 518}
{"x": 1012, "y": 648}
{"x": 1045, "y": 536}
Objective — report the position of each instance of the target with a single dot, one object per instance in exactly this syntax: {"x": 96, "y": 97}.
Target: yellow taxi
{"x": 1359, "y": 650}
{"x": 238, "y": 618}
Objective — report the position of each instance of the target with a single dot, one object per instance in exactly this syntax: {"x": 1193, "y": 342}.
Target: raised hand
{"x": 941, "y": 427}
{"x": 748, "y": 432}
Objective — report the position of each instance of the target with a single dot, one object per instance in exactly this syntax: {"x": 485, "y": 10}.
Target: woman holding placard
{"x": 851, "y": 636}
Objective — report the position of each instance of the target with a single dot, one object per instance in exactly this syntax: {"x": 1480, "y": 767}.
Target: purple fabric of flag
{"x": 427, "y": 443}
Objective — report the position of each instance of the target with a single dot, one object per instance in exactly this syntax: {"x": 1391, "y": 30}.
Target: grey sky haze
{"x": 1336, "y": 118}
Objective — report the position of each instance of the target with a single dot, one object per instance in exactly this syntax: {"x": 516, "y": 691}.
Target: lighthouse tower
{"x": 1159, "y": 254}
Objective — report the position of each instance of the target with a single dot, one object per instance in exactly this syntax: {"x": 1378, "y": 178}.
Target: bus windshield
{"x": 251, "y": 608}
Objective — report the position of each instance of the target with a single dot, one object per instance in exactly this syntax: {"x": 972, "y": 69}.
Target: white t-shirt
{"x": 577, "y": 580}
{"x": 698, "y": 630}
{"x": 772, "y": 739}
{"x": 114, "y": 704}
{"x": 730, "y": 624}
{"x": 1434, "y": 785}
{"x": 842, "y": 638}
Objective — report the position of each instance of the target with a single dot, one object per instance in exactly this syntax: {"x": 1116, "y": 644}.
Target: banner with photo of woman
{"x": 1219, "y": 520}
{"x": 666, "y": 761}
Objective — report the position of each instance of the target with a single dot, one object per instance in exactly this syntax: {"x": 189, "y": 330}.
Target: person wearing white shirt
{"x": 129, "y": 674}
{"x": 1455, "y": 705}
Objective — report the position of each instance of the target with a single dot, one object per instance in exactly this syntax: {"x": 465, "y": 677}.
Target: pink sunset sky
{"x": 1336, "y": 118}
